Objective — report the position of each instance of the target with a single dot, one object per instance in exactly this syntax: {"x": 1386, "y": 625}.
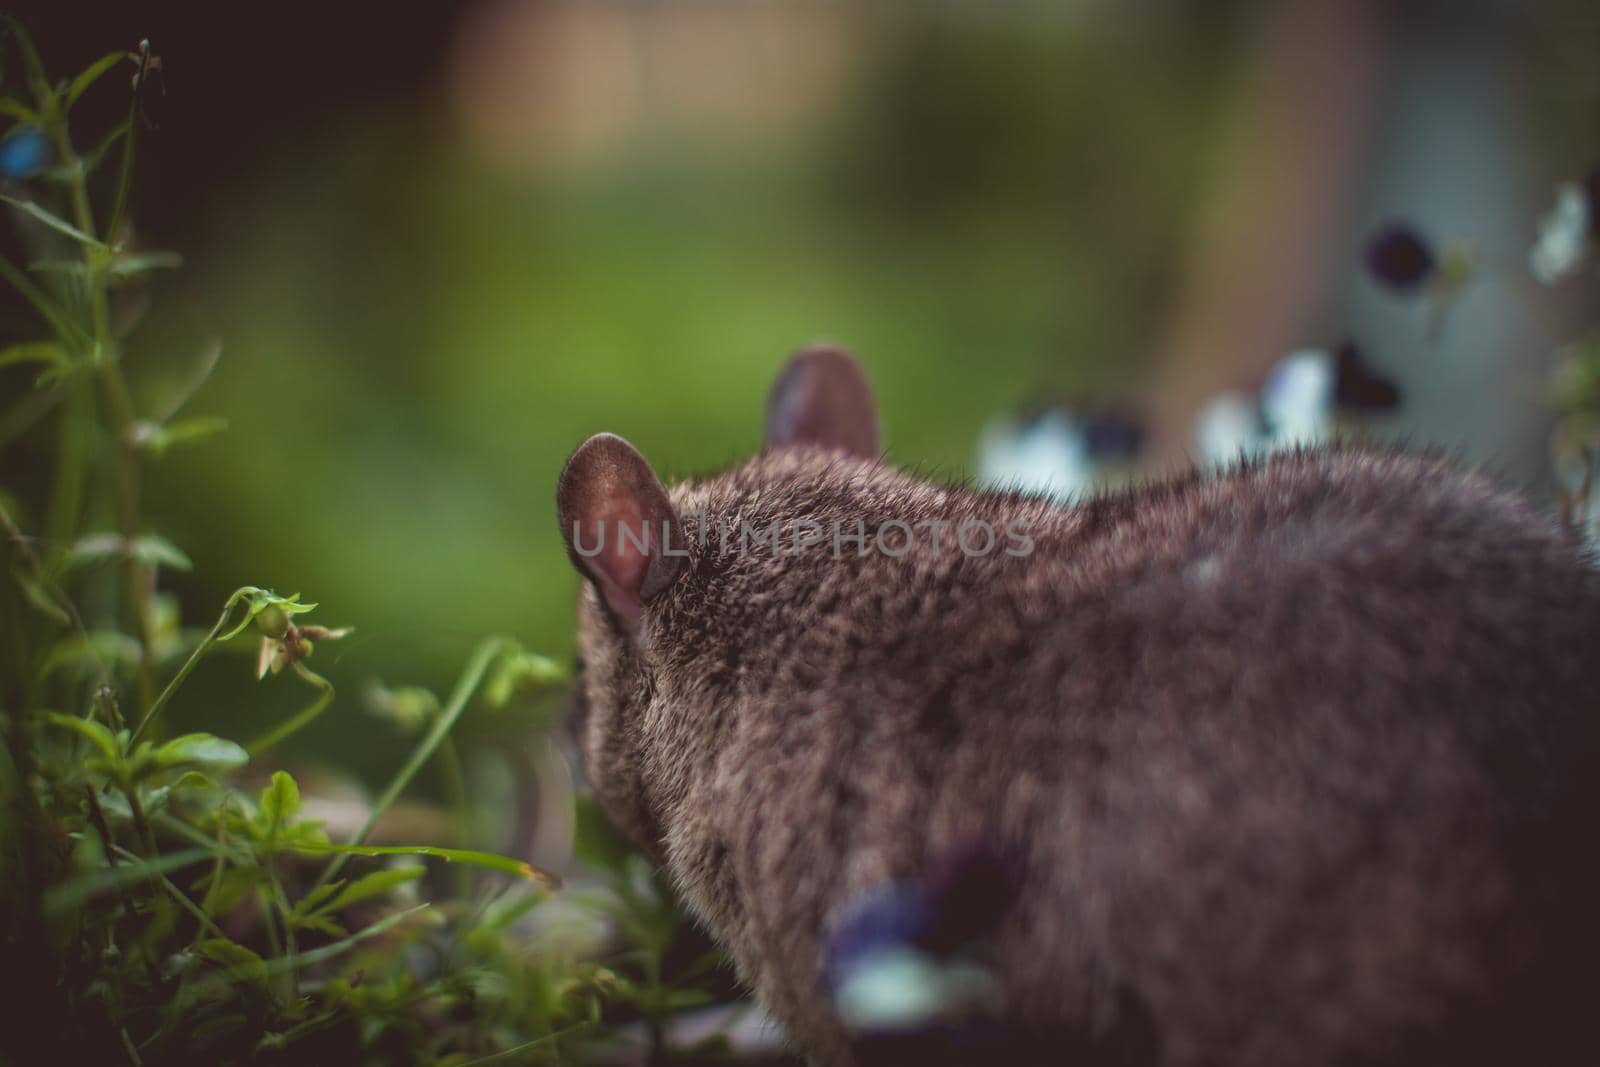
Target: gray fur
{"x": 1296, "y": 760}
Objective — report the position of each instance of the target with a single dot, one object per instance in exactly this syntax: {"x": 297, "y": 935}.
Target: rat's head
{"x": 633, "y": 540}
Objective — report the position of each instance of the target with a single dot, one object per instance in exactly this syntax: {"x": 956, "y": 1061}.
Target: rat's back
{"x": 1299, "y": 773}
{"x": 1291, "y": 764}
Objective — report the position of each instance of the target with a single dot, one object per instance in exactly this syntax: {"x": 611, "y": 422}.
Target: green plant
{"x": 155, "y": 906}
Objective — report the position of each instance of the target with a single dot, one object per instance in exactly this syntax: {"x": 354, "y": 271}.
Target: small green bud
{"x": 272, "y": 621}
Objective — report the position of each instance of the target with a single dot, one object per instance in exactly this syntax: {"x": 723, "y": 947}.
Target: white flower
{"x": 1296, "y": 408}
{"x": 1227, "y": 428}
{"x": 1563, "y": 237}
{"x": 1048, "y": 456}
{"x": 902, "y": 989}
{"x": 1297, "y": 401}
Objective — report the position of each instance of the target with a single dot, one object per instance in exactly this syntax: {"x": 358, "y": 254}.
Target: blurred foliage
{"x": 160, "y": 902}
{"x": 416, "y": 339}
{"x": 364, "y": 384}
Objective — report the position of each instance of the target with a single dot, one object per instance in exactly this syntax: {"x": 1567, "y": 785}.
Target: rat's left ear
{"x": 822, "y": 398}
{"x": 620, "y": 529}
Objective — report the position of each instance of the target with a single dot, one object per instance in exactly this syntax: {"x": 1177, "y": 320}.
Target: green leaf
{"x": 321, "y": 924}
{"x": 131, "y": 264}
{"x": 202, "y": 749}
{"x": 49, "y": 353}
{"x": 58, "y": 319}
{"x": 158, "y": 798}
{"x": 308, "y": 903}
{"x": 489, "y": 860}
{"x": 94, "y": 548}
{"x": 73, "y": 267}
{"x": 519, "y": 670}
{"x": 103, "y": 739}
{"x": 198, "y": 374}
{"x": 375, "y": 884}
{"x": 240, "y": 962}
{"x": 54, "y": 222}
{"x": 17, "y": 110}
{"x": 71, "y": 894}
{"x": 281, "y": 964}
{"x": 90, "y": 75}
{"x": 327, "y": 952}
{"x": 41, "y": 598}
{"x": 194, "y": 780}
{"x": 280, "y": 800}
{"x": 306, "y": 832}
{"x": 119, "y": 267}
{"x": 156, "y": 439}
{"x": 150, "y": 549}
{"x": 235, "y": 884}
{"x": 275, "y": 825}
{"x": 94, "y": 650}
{"x": 154, "y": 551}
{"x": 680, "y": 999}
{"x": 505, "y": 916}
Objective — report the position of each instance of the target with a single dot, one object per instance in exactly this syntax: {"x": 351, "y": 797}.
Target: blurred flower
{"x": 903, "y": 989}
{"x": 1357, "y": 387}
{"x": 1047, "y": 456}
{"x": 895, "y": 961}
{"x": 294, "y": 646}
{"x": 1303, "y": 394}
{"x": 1402, "y": 260}
{"x": 1297, "y": 401}
{"x": 1564, "y": 234}
{"x": 891, "y": 915}
{"x": 1057, "y": 452}
{"x": 23, "y": 152}
{"x": 1398, "y": 257}
{"x": 1227, "y": 428}
{"x": 1113, "y": 437}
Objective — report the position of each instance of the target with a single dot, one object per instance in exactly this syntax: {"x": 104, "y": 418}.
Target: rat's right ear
{"x": 620, "y": 529}
{"x": 822, "y": 398}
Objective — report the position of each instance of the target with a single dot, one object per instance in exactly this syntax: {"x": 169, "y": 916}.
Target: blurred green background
{"x": 440, "y": 248}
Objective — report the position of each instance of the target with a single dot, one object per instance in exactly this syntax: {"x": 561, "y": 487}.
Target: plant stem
{"x": 291, "y": 981}
{"x": 138, "y": 580}
{"x": 455, "y": 781}
{"x": 141, "y": 823}
{"x": 269, "y": 913}
{"x": 295, "y": 723}
{"x": 518, "y": 1053}
{"x": 194, "y": 658}
{"x": 128, "y": 1046}
{"x": 466, "y": 685}
{"x": 70, "y": 332}
{"x": 125, "y": 173}
{"x": 205, "y": 921}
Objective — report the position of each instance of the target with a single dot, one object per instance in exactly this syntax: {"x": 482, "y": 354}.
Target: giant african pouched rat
{"x": 1291, "y": 764}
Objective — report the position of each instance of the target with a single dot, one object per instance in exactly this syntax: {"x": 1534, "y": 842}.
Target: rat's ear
{"x": 618, "y": 524}
{"x": 823, "y": 398}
